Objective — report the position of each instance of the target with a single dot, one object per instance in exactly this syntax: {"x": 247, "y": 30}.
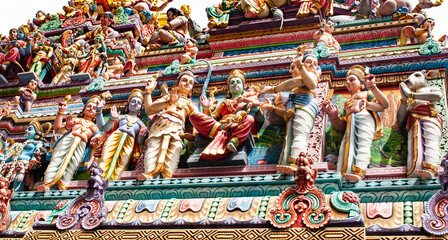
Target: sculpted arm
{"x": 382, "y": 103}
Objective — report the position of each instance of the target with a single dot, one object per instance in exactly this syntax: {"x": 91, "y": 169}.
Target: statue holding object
{"x": 424, "y": 124}
{"x": 165, "y": 143}
{"x": 230, "y": 123}
{"x": 360, "y": 121}
{"x": 301, "y": 108}
{"x": 173, "y": 32}
{"x": 73, "y": 147}
{"x": 126, "y": 133}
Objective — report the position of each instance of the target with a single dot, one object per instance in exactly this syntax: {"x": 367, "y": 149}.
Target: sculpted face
{"x": 416, "y": 81}
{"x": 105, "y": 21}
{"x": 186, "y": 84}
{"x": 236, "y": 86}
{"x": 90, "y": 110}
{"x": 32, "y": 85}
{"x": 353, "y": 83}
{"x": 329, "y": 26}
{"x": 311, "y": 64}
{"x": 12, "y": 34}
{"x": 135, "y": 105}
{"x": 30, "y": 132}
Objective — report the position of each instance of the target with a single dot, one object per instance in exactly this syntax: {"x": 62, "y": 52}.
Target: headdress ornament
{"x": 136, "y": 93}
{"x": 236, "y": 73}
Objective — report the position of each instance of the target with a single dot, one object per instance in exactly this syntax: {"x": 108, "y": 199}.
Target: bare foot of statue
{"x": 143, "y": 177}
{"x": 353, "y": 178}
{"x": 42, "y": 188}
{"x": 425, "y": 174}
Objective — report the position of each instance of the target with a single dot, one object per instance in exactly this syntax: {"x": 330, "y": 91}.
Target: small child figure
{"x": 190, "y": 52}
{"x": 115, "y": 70}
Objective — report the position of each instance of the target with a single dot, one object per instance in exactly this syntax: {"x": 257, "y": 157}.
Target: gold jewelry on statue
{"x": 404, "y": 101}
{"x": 373, "y": 87}
{"x": 136, "y": 93}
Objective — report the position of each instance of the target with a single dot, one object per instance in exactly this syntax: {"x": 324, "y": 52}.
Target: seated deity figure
{"x": 73, "y": 147}
{"x": 228, "y": 125}
{"x": 301, "y": 108}
{"x": 165, "y": 143}
{"x": 22, "y": 156}
{"x": 218, "y": 15}
{"x": 424, "y": 123}
{"x": 173, "y": 32}
{"x": 360, "y": 121}
{"x": 44, "y": 51}
{"x": 125, "y": 134}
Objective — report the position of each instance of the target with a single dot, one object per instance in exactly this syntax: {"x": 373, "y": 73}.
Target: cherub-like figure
{"x": 126, "y": 133}
{"x": 325, "y": 35}
{"x": 424, "y": 124}
{"x": 5, "y": 110}
{"x": 27, "y": 96}
{"x": 301, "y": 106}
{"x": 144, "y": 7}
{"x": 165, "y": 143}
{"x": 115, "y": 70}
{"x": 360, "y": 122}
{"x": 191, "y": 50}
{"x": 228, "y": 128}
{"x": 73, "y": 147}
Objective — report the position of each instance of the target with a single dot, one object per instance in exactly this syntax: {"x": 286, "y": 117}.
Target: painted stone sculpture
{"x": 303, "y": 205}
{"x": 125, "y": 135}
{"x": 420, "y": 34}
{"x": 191, "y": 50}
{"x": 360, "y": 122}
{"x": 164, "y": 143}
{"x": 301, "y": 108}
{"x": 173, "y": 32}
{"x": 227, "y": 125}
{"x": 5, "y": 207}
{"x": 73, "y": 147}
{"x": 27, "y": 96}
{"x": 114, "y": 70}
{"x": 325, "y": 35}
{"x": 26, "y": 156}
{"x": 424, "y": 124}
{"x": 218, "y": 15}
{"x": 89, "y": 210}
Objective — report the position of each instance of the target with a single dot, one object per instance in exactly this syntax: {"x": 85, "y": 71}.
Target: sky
{"x": 14, "y": 13}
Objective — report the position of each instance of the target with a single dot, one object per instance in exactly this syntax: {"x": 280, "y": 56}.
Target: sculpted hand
{"x": 143, "y": 131}
{"x": 278, "y": 98}
{"x": 113, "y": 113}
{"x": 230, "y": 126}
{"x": 150, "y": 86}
{"x": 205, "y": 103}
{"x": 69, "y": 122}
{"x": 174, "y": 96}
{"x": 62, "y": 106}
{"x": 100, "y": 106}
{"x": 266, "y": 105}
{"x": 370, "y": 80}
{"x": 94, "y": 142}
{"x": 330, "y": 109}
{"x": 298, "y": 60}
{"x": 267, "y": 89}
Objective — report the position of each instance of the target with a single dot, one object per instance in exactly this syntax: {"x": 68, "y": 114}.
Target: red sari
{"x": 209, "y": 127}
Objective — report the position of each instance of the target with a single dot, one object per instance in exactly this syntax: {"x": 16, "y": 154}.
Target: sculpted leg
{"x": 303, "y": 123}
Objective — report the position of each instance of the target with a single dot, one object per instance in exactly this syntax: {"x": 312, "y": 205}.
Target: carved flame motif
{"x": 304, "y": 204}
{"x": 87, "y": 211}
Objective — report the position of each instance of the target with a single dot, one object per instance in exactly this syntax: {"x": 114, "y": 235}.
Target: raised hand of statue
{"x": 174, "y": 96}
{"x": 100, "y": 106}
{"x": 357, "y": 107}
{"x": 205, "y": 103}
{"x": 69, "y": 122}
{"x": 331, "y": 109}
{"x": 151, "y": 85}
{"x": 425, "y": 4}
{"x": 404, "y": 91}
{"x": 114, "y": 113}
{"x": 298, "y": 60}
{"x": 266, "y": 105}
{"x": 370, "y": 80}
{"x": 62, "y": 106}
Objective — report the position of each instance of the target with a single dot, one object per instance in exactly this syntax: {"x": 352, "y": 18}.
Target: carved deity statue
{"x": 360, "y": 121}
{"x": 191, "y": 50}
{"x": 301, "y": 108}
{"x": 72, "y": 148}
{"x": 173, "y": 32}
{"x": 325, "y": 35}
{"x": 165, "y": 143}
{"x": 424, "y": 124}
{"x": 125, "y": 134}
{"x": 228, "y": 124}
